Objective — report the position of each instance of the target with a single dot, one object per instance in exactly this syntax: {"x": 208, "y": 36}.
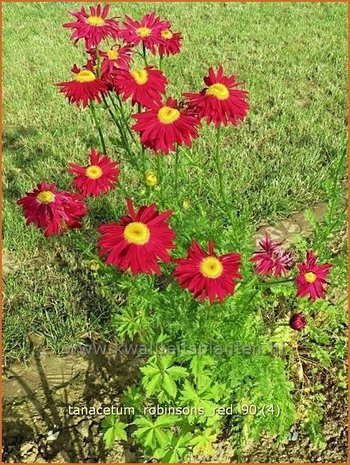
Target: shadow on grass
{"x": 20, "y": 156}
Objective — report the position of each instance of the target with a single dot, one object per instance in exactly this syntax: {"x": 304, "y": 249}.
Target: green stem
{"x": 176, "y": 167}
{"x": 97, "y": 124}
{"x": 125, "y": 120}
{"x": 272, "y": 283}
{"x": 98, "y": 63}
{"x": 143, "y": 152}
{"x": 160, "y": 62}
{"x": 159, "y": 174}
{"x": 121, "y": 131}
{"x": 218, "y": 162}
{"x": 144, "y": 53}
{"x": 115, "y": 121}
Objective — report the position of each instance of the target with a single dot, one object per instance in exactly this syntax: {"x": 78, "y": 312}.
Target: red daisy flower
{"x": 115, "y": 59}
{"x": 147, "y": 30}
{"x": 138, "y": 241}
{"x": 52, "y": 210}
{"x": 166, "y": 125}
{"x": 96, "y": 178}
{"x": 273, "y": 259}
{"x": 93, "y": 27}
{"x": 146, "y": 86}
{"x": 312, "y": 278}
{"x": 85, "y": 87}
{"x": 220, "y": 102}
{"x": 171, "y": 44}
{"x": 208, "y": 275}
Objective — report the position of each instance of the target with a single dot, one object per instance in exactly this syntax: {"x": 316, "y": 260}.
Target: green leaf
{"x": 151, "y": 385}
{"x": 113, "y": 429}
{"x": 169, "y": 385}
{"x": 203, "y": 443}
{"x": 151, "y": 434}
{"x": 162, "y": 437}
{"x": 166, "y": 361}
{"x": 167, "y": 420}
{"x": 177, "y": 372}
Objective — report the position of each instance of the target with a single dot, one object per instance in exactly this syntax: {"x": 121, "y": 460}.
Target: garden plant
{"x": 219, "y": 319}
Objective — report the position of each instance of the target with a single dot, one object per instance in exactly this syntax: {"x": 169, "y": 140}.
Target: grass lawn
{"x": 293, "y": 60}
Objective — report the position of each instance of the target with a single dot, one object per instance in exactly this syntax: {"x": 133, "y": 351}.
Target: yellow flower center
{"x": 140, "y": 76}
{"x": 137, "y": 233}
{"x": 112, "y": 54}
{"x": 93, "y": 172}
{"x": 95, "y": 21}
{"x": 143, "y": 31}
{"x": 310, "y": 277}
{"x": 168, "y": 115}
{"x": 45, "y": 197}
{"x": 150, "y": 179}
{"x": 218, "y": 90}
{"x": 166, "y": 34}
{"x": 211, "y": 267}
{"x": 85, "y": 76}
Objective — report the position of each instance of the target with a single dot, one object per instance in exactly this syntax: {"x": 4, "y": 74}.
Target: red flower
{"x": 166, "y": 125}
{"x": 273, "y": 259}
{"x": 171, "y": 44}
{"x": 147, "y": 31}
{"x": 220, "y": 102}
{"x": 146, "y": 86}
{"x": 297, "y": 322}
{"x": 138, "y": 241}
{"x": 114, "y": 60}
{"x": 207, "y": 275}
{"x": 96, "y": 178}
{"x": 52, "y": 210}
{"x": 93, "y": 27}
{"x": 312, "y": 277}
{"x": 85, "y": 87}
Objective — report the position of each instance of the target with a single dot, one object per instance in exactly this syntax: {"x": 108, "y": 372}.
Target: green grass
{"x": 292, "y": 59}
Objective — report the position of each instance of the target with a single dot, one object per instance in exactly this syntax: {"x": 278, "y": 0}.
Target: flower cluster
{"x": 143, "y": 240}
{"x": 161, "y": 122}
{"x": 55, "y": 211}
{"x": 273, "y": 260}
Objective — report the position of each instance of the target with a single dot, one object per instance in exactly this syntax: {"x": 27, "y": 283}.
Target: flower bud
{"x": 150, "y": 179}
{"x": 94, "y": 265}
{"x": 297, "y": 322}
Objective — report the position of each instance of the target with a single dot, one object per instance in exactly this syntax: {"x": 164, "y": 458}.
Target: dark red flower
{"x": 164, "y": 126}
{"x": 138, "y": 241}
{"x": 145, "y": 86}
{"x": 93, "y": 27}
{"x": 208, "y": 275}
{"x": 147, "y": 30}
{"x": 114, "y": 60}
{"x": 312, "y": 277}
{"x": 297, "y": 322}
{"x": 98, "y": 177}
{"x": 221, "y": 102}
{"x": 52, "y": 210}
{"x": 272, "y": 259}
{"x": 171, "y": 44}
{"x": 85, "y": 87}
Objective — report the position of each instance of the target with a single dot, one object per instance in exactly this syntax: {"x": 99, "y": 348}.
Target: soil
{"x": 38, "y": 426}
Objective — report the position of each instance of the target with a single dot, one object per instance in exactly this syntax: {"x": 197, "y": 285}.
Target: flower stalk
{"x": 98, "y": 126}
